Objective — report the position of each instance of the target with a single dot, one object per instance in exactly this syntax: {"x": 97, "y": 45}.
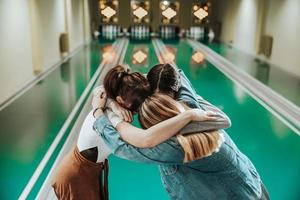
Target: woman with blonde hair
{"x": 225, "y": 174}
{"x": 83, "y": 173}
{"x": 220, "y": 170}
{"x": 160, "y": 107}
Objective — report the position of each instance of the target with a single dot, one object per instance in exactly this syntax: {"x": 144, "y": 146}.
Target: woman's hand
{"x": 99, "y": 104}
{"x": 201, "y": 115}
{"x": 98, "y": 91}
{"x": 125, "y": 114}
{"x": 99, "y": 100}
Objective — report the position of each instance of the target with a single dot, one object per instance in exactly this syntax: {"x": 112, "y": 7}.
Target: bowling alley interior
{"x": 241, "y": 56}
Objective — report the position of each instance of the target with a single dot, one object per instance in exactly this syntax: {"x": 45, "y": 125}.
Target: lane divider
{"x": 160, "y": 51}
{"x": 38, "y": 78}
{"x": 64, "y": 128}
{"x": 157, "y": 51}
{"x": 283, "y": 109}
{"x": 46, "y": 190}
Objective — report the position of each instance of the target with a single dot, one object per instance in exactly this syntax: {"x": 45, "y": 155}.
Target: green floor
{"x": 129, "y": 180}
{"x": 281, "y": 81}
{"x": 30, "y": 124}
{"x": 25, "y": 137}
{"x": 273, "y": 148}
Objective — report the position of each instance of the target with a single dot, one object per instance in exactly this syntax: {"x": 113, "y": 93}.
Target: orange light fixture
{"x": 108, "y": 12}
{"x": 169, "y": 13}
{"x": 201, "y": 13}
{"x": 140, "y": 12}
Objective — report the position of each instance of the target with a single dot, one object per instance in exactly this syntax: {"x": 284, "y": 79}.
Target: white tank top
{"x": 88, "y": 138}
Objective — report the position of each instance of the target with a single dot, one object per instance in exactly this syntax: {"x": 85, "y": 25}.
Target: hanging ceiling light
{"x": 201, "y": 13}
{"x": 140, "y": 12}
{"x": 108, "y": 12}
{"x": 169, "y": 13}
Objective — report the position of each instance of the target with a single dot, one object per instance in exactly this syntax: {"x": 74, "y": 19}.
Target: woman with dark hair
{"x": 164, "y": 78}
{"x": 226, "y": 174}
{"x": 129, "y": 90}
{"x": 162, "y": 149}
{"x": 126, "y": 88}
{"x": 83, "y": 173}
{"x": 222, "y": 174}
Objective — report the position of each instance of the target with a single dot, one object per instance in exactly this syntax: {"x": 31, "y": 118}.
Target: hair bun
{"x": 121, "y": 74}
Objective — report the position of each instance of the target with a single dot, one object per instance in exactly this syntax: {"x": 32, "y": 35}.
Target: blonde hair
{"x": 160, "y": 107}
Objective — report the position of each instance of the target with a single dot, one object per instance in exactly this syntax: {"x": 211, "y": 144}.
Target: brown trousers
{"x": 79, "y": 179}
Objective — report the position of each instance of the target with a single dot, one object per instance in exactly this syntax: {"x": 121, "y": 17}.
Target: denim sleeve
{"x": 188, "y": 95}
{"x": 220, "y": 114}
{"x": 169, "y": 152}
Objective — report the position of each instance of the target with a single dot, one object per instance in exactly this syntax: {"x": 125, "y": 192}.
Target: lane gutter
{"x": 280, "y": 107}
{"x": 28, "y": 188}
{"x": 29, "y": 84}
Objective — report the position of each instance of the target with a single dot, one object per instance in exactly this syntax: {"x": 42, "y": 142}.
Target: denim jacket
{"x": 227, "y": 174}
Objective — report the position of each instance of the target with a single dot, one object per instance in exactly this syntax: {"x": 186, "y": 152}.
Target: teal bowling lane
{"x": 284, "y": 83}
{"x": 30, "y": 124}
{"x": 272, "y": 146}
{"x": 127, "y": 179}
{"x": 140, "y": 56}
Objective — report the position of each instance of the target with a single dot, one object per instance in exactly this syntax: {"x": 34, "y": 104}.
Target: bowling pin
{"x": 139, "y": 32}
{"x": 148, "y": 32}
{"x": 135, "y": 32}
{"x": 105, "y": 31}
{"x": 167, "y": 32}
{"x": 144, "y": 32}
{"x": 192, "y": 32}
{"x": 132, "y": 31}
{"x": 110, "y": 32}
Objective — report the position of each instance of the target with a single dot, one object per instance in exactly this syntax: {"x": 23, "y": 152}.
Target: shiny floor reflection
{"x": 30, "y": 123}
{"x": 272, "y": 146}
{"x": 284, "y": 83}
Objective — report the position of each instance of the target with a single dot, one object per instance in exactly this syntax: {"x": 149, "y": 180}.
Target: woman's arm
{"x": 210, "y": 107}
{"x": 188, "y": 95}
{"x": 162, "y": 131}
{"x": 222, "y": 120}
{"x": 125, "y": 114}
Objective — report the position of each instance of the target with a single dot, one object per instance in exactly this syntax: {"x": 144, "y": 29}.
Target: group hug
{"x": 181, "y": 132}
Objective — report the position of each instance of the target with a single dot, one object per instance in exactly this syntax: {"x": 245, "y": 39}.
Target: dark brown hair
{"x": 133, "y": 87}
{"x": 164, "y": 78}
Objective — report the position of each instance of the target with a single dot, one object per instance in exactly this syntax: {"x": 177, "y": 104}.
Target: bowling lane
{"x": 30, "y": 124}
{"x": 285, "y": 83}
{"x": 272, "y": 146}
{"x": 129, "y": 180}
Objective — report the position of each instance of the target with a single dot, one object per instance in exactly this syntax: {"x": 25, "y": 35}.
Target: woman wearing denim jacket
{"x": 227, "y": 174}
